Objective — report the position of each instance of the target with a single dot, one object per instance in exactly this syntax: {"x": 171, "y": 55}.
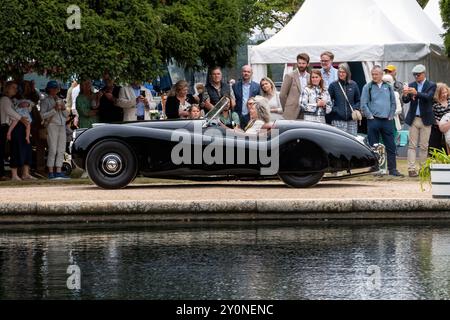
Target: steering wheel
{"x": 214, "y": 123}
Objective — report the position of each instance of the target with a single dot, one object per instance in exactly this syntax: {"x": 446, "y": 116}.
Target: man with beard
{"x": 292, "y": 88}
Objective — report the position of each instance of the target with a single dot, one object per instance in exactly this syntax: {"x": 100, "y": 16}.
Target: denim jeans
{"x": 384, "y": 128}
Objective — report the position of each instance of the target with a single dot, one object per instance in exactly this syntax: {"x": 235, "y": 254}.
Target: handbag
{"x": 356, "y": 114}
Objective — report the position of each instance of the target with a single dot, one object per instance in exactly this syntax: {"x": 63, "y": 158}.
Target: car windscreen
{"x": 217, "y": 109}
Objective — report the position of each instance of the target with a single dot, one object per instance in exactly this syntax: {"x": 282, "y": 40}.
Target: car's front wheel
{"x": 302, "y": 180}
{"x": 111, "y": 165}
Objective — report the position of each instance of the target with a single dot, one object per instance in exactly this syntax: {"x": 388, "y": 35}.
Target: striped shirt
{"x": 439, "y": 110}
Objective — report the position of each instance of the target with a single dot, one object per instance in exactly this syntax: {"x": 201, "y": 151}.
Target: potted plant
{"x": 436, "y": 171}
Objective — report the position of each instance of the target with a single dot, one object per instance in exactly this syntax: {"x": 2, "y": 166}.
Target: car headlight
{"x": 76, "y": 133}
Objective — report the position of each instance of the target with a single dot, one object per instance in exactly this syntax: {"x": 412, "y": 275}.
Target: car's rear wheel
{"x": 302, "y": 180}
{"x": 111, "y": 165}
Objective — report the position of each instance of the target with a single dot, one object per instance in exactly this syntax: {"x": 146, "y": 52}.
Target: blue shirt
{"x": 419, "y": 89}
{"x": 378, "y": 102}
{"x": 329, "y": 77}
{"x": 245, "y": 97}
{"x": 140, "y": 107}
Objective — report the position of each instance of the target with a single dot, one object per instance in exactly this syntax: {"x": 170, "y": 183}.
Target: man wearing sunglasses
{"x": 420, "y": 116}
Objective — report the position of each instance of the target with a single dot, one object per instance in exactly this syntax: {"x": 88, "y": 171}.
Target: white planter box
{"x": 440, "y": 180}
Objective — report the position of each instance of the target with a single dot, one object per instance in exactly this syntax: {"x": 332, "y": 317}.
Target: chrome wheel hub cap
{"x": 111, "y": 164}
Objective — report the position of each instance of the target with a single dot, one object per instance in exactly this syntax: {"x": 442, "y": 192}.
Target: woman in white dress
{"x": 269, "y": 91}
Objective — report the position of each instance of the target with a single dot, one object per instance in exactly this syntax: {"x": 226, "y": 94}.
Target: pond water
{"x": 345, "y": 261}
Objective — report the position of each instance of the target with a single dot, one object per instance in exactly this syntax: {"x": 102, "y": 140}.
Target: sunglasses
{"x": 416, "y": 74}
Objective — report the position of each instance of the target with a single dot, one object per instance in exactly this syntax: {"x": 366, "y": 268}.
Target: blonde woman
{"x": 179, "y": 101}
{"x": 269, "y": 91}
{"x": 315, "y": 100}
{"x": 441, "y": 106}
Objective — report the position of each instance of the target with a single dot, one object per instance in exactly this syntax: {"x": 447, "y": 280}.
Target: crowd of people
{"x": 36, "y": 128}
{"x": 323, "y": 95}
{"x": 329, "y": 95}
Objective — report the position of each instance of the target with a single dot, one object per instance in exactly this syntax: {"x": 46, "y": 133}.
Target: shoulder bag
{"x": 356, "y": 114}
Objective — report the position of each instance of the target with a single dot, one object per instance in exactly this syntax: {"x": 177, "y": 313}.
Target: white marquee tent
{"x": 367, "y": 31}
{"x": 433, "y": 11}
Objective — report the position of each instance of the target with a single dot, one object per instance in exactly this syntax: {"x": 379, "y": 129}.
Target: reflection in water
{"x": 304, "y": 262}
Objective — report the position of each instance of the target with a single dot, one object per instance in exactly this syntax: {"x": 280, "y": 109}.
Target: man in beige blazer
{"x": 129, "y": 97}
{"x": 292, "y": 87}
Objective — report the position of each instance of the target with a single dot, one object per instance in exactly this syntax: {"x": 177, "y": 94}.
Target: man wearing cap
{"x": 420, "y": 116}
{"x": 392, "y": 70}
{"x": 398, "y": 87}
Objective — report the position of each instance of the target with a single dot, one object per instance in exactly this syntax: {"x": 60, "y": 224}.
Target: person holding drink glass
{"x": 420, "y": 118}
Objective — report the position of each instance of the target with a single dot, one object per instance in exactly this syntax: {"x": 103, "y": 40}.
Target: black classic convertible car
{"x": 300, "y": 153}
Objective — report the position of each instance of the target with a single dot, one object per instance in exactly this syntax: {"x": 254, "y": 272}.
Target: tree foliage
{"x": 199, "y": 33}
{"x": 445, "y": 13}
{"x": 115, "y": 35}
{"x": 422, "y": 3}
{"x": 274, "y": 14}
{"x": 134, "y": 38}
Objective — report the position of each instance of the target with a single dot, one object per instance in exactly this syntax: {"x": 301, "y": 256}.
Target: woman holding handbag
{"x": 346, "y": 99}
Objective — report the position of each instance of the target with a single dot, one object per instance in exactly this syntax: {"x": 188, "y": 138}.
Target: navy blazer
{"x": 255, "y": 90}
{"x": 426, "y": 103}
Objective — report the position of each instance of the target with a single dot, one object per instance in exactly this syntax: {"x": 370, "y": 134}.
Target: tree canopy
{"x": 131, "y": 39}
{"x": 445, "y": 12}
{"x": 274, "y": 14}
{"x": 35, "y": 34}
